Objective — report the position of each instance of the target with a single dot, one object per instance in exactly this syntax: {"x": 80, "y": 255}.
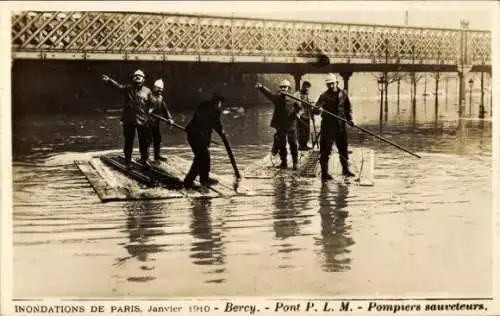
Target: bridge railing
{"x": 174, "y": 34}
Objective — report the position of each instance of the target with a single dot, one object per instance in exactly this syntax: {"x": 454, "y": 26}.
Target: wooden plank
{"x": 309, "y": 169}
{"x": 179, "y": 167}
{"x": 227, "y": 186}
{"x": 112, "y": 185}
{"x": 110, "y": 182}
{"x": 161, "y": 176}
{"x": 168, "y": 173}
{"x": 168, "y": 190}
{"x": 104, "y": 172}
{"x": 105, "y": 192}
{"x": 366, "y": 166}
{"x": 132, "y": 173}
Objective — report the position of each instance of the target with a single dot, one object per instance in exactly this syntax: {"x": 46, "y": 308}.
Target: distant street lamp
{"x": 381, "y": 82}
{"x": 399, "y": 85}
{"x": 481, "y": 105}
{"x": 471, "y": 83}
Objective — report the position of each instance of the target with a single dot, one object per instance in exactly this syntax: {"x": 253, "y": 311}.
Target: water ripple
{"x": 421, "y": 214}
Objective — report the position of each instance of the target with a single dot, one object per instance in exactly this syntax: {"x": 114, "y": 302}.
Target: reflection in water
{"x": 285, "y": 217}
{"x": 461, "y": 137}
{"x": 56, "y": 214}
{"x": 481, "y": 134}
{"x": 207, "y": 248}
{"x": 144, "y": 222}
{"x": 335, "y": 237}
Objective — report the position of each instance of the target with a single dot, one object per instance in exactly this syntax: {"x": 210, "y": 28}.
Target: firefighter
{"x": 157, "y": 105}
{"x": 134, "y": 116}
{"x": 336, "y": 101}
{"x": 199, "y": 132}
{"x": 304, "y": 121}
{"x": 284, "y": 120}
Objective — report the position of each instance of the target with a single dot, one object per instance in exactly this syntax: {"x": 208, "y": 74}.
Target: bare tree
{"x": 437, "y": 76}
{"x": 414, "y": 78}
{"x": 388, "y": 79}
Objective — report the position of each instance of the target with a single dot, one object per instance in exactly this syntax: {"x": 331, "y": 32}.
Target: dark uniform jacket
{"x": 285, "y": 110}
{"x": 205, "y": 119}
{"x": 159, "y": 106}
{"x": 336, "y": 102}
{"x": 135, "y": 108}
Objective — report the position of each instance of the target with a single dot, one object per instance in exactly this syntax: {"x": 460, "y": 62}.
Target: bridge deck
{"x": 174, "y": 37}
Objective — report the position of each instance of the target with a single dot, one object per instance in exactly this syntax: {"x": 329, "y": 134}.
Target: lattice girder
{"x": 480, "y": 44}
{"x": 308, "y": 39}
{"x": 181, "y": 35}
{"x": 279, "y": 39}
{"x": 215, "y": 36}
{"x": 248, "y": 36}
{"x": 173, "y": 34}
{"x": 335, "y": 41}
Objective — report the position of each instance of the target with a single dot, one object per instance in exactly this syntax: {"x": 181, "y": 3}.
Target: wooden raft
{"x": 112, "y": 182}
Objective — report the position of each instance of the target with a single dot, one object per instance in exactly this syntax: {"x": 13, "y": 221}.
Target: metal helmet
{"x": 330, "y": 78}
{"x": 158, "y": 84}
{"x": 140, "y": 73}
{"x": 285, "y": 83}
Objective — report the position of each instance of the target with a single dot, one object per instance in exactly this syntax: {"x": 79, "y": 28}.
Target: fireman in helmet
{"x": 158, "y": 106}
{"x": 336, "y": 101}
{"x": 284, "y": 120}
{"x": 134, "y": 116}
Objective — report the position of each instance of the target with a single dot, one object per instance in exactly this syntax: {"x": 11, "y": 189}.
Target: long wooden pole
{"x": 231, "y": 157}
{"x": 161, "y": 118}
{"x": 353, "y": 125}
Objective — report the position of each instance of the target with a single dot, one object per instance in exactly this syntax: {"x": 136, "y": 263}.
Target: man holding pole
{"x": 335, "y": 109}
{"x": 336, "y": 101}
{"x": 158, "y": 106}
{"x": 199, "y": 133}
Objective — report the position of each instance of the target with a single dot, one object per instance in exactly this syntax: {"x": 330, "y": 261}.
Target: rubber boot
{"x": 345, "y": 170}
{"x": 275, "y": 149}
{"x": 159, "y": 158}
{"x": 283, "y": 165}
{"x": 209, "y": 182}
{"x": 325, "y": 176}
{"x": 295, "y": 163}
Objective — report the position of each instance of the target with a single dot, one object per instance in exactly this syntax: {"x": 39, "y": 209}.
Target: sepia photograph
{"x": 251, "y": 149}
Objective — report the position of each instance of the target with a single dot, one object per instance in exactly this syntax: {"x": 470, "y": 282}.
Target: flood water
{"x": 424, "y": 229}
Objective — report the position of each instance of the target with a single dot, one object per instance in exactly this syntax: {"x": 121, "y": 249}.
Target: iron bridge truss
{"x": 172, "y": 37}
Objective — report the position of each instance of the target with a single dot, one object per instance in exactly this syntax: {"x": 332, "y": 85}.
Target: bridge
{"x": 252, "y": 45}
{"x": 174, "y": 37}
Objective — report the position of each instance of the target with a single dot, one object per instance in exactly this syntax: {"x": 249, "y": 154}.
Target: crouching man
{"x": 199, "y": 133}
